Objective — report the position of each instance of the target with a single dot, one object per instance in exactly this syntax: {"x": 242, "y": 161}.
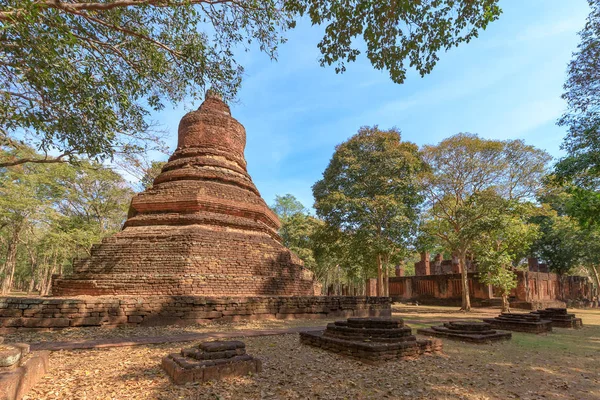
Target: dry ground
{"x": 561, "y": 365}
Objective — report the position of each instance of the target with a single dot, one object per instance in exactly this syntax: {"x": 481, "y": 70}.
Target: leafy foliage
{"x": 370, "y": 190}
{"x": 468, "y": 179}
{"x": 504, "y": 242}
{"x": 582, "y": 119}
{"x": 52, "y": 213}
{"x": 80, "y": 78}
{"x": 83, "y": 76}
{"x": 395, "y": 33}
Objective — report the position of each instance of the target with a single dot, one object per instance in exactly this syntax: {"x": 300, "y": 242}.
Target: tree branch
{"x": 45, "y": 160}
{"x": 12, "y": 15}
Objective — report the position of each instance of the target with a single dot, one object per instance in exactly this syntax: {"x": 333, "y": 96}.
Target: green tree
{"x": 83, "y": 76}
{"x": 506, "y": 237}
{"x": 27, "y": 193}
{"x": 569, "y": 235}
{"x": 150, "y": 174}
{"x": 559, "y": 244}
{"x": 287, "y": 205}
{"x": 52, "y": 213}
{"x": 582, "y": 118}
{"x": 297, "y": 229}
{"x": 370, "y": 190}
{"x": 466, "y": 174}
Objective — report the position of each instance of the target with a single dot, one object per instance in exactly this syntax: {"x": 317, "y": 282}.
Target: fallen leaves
{"x": 508, "y": 370}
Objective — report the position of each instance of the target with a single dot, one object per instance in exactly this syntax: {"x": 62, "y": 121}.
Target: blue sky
{"x": 506, "y": 84}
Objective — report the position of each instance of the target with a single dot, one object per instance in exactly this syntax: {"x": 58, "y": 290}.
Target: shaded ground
{"x": 92, "y": 333}
{"x": 561, "y": 365}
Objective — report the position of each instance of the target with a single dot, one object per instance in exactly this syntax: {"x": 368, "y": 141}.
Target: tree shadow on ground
{"x": 561, "y": 365}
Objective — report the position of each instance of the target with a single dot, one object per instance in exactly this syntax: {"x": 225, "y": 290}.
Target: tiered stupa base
{"x": 520, "y": 322}
{"x": 560, "y": 318}
{"x": 184, "y": 260}
{"x": 467, "y": 331}
{"x": 210, "y": 361}
{"x": 371, "y": 340}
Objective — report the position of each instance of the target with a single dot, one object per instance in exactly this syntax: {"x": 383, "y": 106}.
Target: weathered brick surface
{"x": 210, "y": 361}
{"x": 34, "y": 313}
{"x": 534, "y": 289}
{"x": 371, "y": 340}
{"x": 520, "y": 322}
{"x": 560, "y": 318}
{"x": 466, "y": 331}
{"x": 202, "y": 229}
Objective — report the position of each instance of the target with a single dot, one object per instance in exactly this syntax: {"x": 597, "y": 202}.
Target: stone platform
{"x": 36, "y": 313}
{"x": 467, "y": 331}
{"x": 520, "y": 322}
{"x": 371, "y": 340}
{"x": 560, "y": 318}
{"x": 210, "y": 361}
{"x": 20, "y": 369}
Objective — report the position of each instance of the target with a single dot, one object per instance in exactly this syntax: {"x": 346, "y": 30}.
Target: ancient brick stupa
{"x": 202, "y": 229}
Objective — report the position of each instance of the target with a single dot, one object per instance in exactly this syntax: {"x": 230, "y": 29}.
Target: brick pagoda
{"x": 202, "y": 229}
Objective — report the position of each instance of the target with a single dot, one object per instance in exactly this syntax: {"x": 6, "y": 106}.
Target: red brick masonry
{"x": 23, "y": 313}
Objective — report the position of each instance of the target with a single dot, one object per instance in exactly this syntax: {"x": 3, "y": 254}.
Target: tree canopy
{"x": 80, "y": 78}
{"x": 371, "y": 189}
{"x": 467, "y": 178}
{"x": 582, "y": 118}
{"x": 53, "y": 213}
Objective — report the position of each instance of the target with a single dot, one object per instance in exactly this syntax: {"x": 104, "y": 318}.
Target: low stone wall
{"x": 50, "y": 312}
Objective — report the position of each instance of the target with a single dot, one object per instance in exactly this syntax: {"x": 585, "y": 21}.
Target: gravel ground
{"x": 561, "y": 365}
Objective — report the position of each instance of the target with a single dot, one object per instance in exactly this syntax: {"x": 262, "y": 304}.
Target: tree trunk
{"x": 48, "y": 277}
{"x": 505, "y": 302}
{"x": 33, "y": 261}
{"x": 386, "y": 262}
{"x": 11, "y": 259}
{"x": 561, "y": 287}
{"x": 379, "y": 276}
{"x": 339, "y": 280}
{"x": 596, "y": 276}
{"x": 48, "y": 280}
{"x": 466, "y": 298}
{"x": 527, "y": 288}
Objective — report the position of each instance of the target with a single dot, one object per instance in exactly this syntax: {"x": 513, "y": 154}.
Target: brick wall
{"x": 35, "y": 313}
{"x": 447, "y": 288}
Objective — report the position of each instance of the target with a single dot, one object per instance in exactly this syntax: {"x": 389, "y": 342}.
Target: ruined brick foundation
{"x": 371, "y": 340}
{"x": 210, "y": 361}
{"x": 35, "y": 313}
